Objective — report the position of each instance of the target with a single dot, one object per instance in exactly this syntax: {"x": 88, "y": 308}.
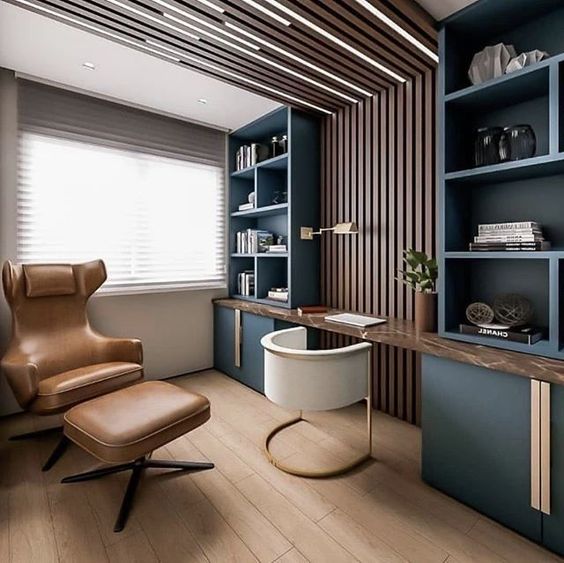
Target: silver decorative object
{"x": 525, "y": 59}
{"x": 479, "y": 313}
{"x": 513, "y": 309}
{"x": 490, "y": 63}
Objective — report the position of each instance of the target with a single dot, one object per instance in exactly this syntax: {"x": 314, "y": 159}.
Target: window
{"x": 155, "y": 221}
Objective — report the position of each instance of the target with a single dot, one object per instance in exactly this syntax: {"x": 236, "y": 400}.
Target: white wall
{"x": 176, "y": 328}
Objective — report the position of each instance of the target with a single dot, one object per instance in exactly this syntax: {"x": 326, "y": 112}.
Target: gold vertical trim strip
{"x": 237, "y": 338}
{"x": 535, "y": 445}
{"x": 545, "y": 447}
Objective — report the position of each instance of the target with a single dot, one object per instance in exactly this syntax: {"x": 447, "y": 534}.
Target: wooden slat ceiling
{"x": 320, "y": 56}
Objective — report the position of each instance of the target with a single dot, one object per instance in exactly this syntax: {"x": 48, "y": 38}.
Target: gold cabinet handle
{"x": 545, "y": 447}
{"x": 238, "y": 329}
{"x": 535, "y": 444}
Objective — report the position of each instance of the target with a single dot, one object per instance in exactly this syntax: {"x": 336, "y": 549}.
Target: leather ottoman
{"x": 125, "y": 426}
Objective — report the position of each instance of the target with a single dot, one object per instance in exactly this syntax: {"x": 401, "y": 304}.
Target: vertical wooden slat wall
{"x": 379, "y": 170}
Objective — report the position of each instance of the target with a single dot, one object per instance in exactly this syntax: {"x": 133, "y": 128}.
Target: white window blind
{"x": 156, "y": 221}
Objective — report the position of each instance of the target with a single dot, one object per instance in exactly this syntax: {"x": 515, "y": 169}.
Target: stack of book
{"x": 278, "y": 294}
{"x": 524, "y": 335}
{"x": 246, "y": 283}
{"x": 274, "y": 248}
{"x": 245, "y": 206}
{"x": 254, "y": 241}
{"x": 249, "y": 155}
{"x": 524, "y": 235}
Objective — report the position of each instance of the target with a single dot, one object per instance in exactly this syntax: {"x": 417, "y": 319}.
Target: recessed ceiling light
{"x": 88, "y": 65}
{"x": 238, "y": 77}
{"x": 398, "y": 29}
{"x": 305, "y": 62}
{"x": 202, "y": 101}
{"x": 335, "y": 39}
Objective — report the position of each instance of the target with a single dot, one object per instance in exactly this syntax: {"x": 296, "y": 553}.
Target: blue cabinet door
{"x": 553, "y": 524}
{"x": 252, "y": 354}
{"x": 477, "y": 440}
{"x": 251, "y": 370}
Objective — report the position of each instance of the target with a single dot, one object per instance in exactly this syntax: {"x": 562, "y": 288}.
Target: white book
{"x": 508, "y": 226}
{"x": 354, "y": 320}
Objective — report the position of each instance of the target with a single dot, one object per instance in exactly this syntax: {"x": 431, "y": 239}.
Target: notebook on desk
{"x": 354, "y": 320}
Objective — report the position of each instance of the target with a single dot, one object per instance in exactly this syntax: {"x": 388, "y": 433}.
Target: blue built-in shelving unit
{"x": 531, "y": 189}
{"x": 296, "y": 172}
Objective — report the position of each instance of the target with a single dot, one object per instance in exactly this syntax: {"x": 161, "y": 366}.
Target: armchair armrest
{"x": 119, "y": 349}
{"x": 22, "y": 377}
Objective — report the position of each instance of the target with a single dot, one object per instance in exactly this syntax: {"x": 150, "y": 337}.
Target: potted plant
{"x": 421, "y": 274}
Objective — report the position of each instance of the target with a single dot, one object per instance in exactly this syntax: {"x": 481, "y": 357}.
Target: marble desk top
{"x": 403, "y": 334}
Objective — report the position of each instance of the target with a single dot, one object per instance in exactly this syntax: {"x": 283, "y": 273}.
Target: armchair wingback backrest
{"x": 50, "y": 327}
{"x": 297, "y": 378}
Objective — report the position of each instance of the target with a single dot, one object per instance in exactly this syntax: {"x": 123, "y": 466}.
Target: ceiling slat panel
{"x": 321, "y": 56}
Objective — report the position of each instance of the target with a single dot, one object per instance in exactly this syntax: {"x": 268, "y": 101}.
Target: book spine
{"x": 512, "y": 336}
{"x": 508, "y": 226}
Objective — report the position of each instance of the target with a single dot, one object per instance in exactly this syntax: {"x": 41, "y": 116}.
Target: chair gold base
{"x": 333, "y": 472}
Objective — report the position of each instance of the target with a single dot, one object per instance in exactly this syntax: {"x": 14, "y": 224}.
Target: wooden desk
{"x": 400, "y": 333}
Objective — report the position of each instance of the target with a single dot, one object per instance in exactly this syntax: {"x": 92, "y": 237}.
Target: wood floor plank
{"x": 360, "y": 541}
{"x": 262, "y": 538}
{"x": 292, "y": 556}
{"x": 307, "y": 536}
{"x": 216, "y": 538}
{"x": 32, "y": 535}
{"x": 508, "y": 544}
{"x": 435, "y": 529}
{"x": 298, "y": 491}
{"x": 135, "y": 548}
{"x": 233, "y": 467}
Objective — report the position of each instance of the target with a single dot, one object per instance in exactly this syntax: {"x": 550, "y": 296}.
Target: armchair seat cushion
{"x": 60, "y": 392}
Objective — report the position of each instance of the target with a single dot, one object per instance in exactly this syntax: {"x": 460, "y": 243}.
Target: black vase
{"x": 486, "y": 146}
{"x": 517, "y": 142}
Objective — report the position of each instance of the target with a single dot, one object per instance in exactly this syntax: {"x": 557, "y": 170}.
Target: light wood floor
{"x": 245, "y": 509}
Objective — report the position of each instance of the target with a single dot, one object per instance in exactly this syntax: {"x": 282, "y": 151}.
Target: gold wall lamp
{"x": 307, "y": 233}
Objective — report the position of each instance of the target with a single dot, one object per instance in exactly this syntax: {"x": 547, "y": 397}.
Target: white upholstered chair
{"x": 315, "y": 380}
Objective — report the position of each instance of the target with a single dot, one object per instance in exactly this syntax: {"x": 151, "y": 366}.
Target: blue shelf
{"x": 267, "y": 211}
{"x": 538, "y": 166}
{"x": 261, "y": 255}
{"x": 506, "y": 255}
{"x": 272, "y": 302}
{"x": 520, "y": 85}
{"x": 298, "y": 170}
{"x": 541, "y": 348}
{"x": 279, "y": 162}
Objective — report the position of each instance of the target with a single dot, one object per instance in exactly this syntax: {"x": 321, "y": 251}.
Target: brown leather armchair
{"x": 55, "y": 359}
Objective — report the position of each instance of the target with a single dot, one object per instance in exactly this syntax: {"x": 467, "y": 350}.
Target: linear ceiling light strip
{"x": 298, "y": 59}
{"x": 234, "y": 46}
{"x": 334, "y": 39}
{"x": 211, "y": 5}
{"x": 268, "y": 12}
{"x": 186, "y": 57}
{"x": 203, "y": 22}
{"x": 152, "y": 18}
{"x": 95, "y": 28}
{"x": 398, "y": 29}
{"x": 231, "y": 45}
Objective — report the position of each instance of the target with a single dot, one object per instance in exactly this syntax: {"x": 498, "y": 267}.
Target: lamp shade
{"x": 345, "y": 228}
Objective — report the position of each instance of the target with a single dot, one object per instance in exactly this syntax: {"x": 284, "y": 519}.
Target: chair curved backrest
{"x": 297, "y": 378}
{"x": 50, "y": 327}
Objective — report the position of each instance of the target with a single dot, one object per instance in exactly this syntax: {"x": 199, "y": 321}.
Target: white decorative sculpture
{"x": 526, "y": 59}
{"x": 490, "y": 62}
{"x": 317, "y": 380}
